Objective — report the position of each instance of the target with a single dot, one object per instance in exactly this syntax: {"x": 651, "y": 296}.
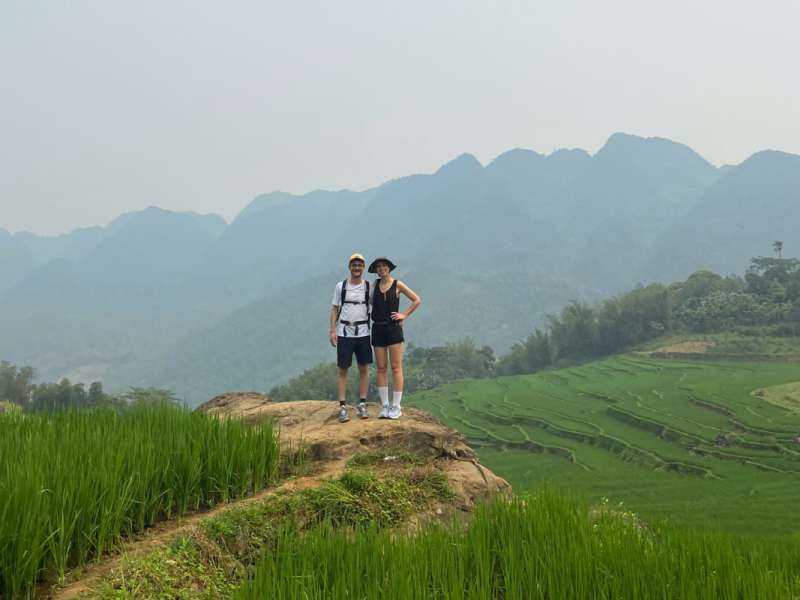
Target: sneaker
{"x": 384, "y": 414}
{"x": 395, "y": 412}
{"x": 344, "y": 415}
{"x": 363, "y": 412}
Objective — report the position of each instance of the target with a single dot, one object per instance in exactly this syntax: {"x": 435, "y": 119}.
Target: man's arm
{"x": 333, "y": 318}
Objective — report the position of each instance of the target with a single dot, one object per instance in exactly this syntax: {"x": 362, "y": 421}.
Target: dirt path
{"x": 84, "y": 579}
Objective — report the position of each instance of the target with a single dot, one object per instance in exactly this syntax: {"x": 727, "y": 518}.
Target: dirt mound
{"x": 684, "y": 348}
{"x": 239, "y": 405}
{"x": 313, "y": 425}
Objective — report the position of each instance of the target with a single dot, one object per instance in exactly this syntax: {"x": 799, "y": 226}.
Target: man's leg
{"x": 344, "y": 358}
{"x": 363, "y": 387}
{"x": 341, "y": 384}
{"x": 364, "y": 356}
{"x": 363, "y": 382}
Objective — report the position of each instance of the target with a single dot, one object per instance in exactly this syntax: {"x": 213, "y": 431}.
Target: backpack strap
{"x": 366, "y": 300}
{"x": 341, "y": 299}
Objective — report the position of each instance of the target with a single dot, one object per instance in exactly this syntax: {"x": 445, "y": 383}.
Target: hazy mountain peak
{"x": 626, "y": 147}
{"x": 154, "y": 216}
{"x": 771, "y": 156}
{"x": 263, "y": 201}
{"x": 569, "y": 153}
{"x": 465, "y": 164}
{"x": 516, "y": 160}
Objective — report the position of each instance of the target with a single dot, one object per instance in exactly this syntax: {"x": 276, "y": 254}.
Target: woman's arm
{"x": 402, "y": 288}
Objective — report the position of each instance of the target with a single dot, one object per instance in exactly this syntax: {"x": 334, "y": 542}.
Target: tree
{"x": 138, "y": 396}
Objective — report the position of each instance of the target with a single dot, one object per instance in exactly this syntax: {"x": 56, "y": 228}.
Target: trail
{"x": 88, "y": 577}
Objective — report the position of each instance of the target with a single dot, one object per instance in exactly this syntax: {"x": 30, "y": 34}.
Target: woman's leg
{"x": 381, "y": 363}
{"x": 396, "y": 359}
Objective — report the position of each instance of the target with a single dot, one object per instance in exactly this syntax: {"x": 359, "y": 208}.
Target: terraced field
{"x": 683, "y": 440}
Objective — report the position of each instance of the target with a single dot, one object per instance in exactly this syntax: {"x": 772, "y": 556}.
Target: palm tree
{"x": 777, "y": 245}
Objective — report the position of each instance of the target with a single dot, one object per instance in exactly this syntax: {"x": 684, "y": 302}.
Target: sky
{"x": 109, "y": 107}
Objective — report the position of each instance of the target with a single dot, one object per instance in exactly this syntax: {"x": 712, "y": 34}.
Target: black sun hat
{"x": 373, "y": 265}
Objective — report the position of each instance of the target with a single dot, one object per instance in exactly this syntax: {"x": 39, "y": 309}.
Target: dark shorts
{"x": 347, "y": 346}
{"x": 386, "y": 335}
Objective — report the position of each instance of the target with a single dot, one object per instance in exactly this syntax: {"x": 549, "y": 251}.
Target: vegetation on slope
{"x": 540, "y": 546}
{"x": 74, "y": 483}
{"x": 766, "y": 301}
{"x": 218, "y": 555}
{"x": 685, "y": 440}
{"x": 424, "y": 368}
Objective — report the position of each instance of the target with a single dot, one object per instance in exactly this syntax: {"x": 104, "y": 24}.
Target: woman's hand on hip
{"x": 398, "y": 317}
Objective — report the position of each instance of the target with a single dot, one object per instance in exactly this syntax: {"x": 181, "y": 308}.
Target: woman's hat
{"x": 373, "y": 265}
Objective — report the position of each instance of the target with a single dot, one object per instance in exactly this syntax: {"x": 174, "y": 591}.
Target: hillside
{"x": 692, "y": 441}
{"x": 753, "y": 204}
{"x": 156, "y": 297}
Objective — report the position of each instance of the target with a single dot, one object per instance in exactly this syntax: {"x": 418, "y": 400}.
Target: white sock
{"x": 396, "y": 398}
{"x": 383, "y": 392}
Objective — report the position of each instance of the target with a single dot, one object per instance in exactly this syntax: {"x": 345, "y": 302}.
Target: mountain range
{"x": 192, "y": 303}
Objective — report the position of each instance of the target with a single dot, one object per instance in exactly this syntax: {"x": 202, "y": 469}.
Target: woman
{"x": 387, "y": 333}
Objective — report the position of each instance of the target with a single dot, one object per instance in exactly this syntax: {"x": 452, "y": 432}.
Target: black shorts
{"x": 346, "y": 346}
{"x": 387, "y": 334}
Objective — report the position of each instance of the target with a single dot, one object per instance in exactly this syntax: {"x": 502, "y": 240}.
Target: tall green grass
{"x": 542, "y": 546}
{"x": 74, "y": 483}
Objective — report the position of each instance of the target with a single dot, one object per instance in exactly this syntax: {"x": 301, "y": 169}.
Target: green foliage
{"x": 684, "y": 440}
{"x": 316, "y": 383}
{"x": 183, "y": 570}
{"x": 424, "y": 368}
{"x": 15, "y": 383}
{"x": 364, "y": 499}
{"x": 137, "y": 396}
{"x": 540, "y": 546}
{"x": 73, "y": 483}
{"x": 769, "y": 296}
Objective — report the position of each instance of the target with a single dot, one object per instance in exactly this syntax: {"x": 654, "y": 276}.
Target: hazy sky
{"x": 107, "y": 107}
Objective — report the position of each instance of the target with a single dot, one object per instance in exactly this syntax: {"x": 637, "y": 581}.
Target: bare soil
{"x": 686, "y": 348}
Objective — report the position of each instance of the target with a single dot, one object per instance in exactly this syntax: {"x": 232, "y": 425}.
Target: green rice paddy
{"x": 530, "y": 547}
{"x": 682, "y": 440}
{"x": 73, "y": 484}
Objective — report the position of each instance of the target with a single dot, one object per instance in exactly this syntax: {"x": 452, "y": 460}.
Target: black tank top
{"x": 384, "y": 304}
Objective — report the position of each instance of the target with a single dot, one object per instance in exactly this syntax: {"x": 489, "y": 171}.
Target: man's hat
{"x": 373, "y": 266}
{"x": 356, "y": 256}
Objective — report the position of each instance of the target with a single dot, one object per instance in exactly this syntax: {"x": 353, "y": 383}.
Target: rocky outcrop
{"x": 240, "y": 405}
{"x": 313, "y": 425}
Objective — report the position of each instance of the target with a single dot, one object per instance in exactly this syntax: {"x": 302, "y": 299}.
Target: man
{"x": 349, "y": 333}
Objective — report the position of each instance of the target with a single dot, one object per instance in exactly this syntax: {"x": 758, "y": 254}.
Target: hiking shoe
{"x": 384, "y": 414}
{"x": 344, "y": 415}
{"x": 395, "y": 412}
{"x": 363, "y": 412}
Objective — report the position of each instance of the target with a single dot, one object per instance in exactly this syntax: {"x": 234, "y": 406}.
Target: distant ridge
{"x": 190, "y": 302}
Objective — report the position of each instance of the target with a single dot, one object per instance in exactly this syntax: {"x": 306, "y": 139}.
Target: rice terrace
{"x": 685, "y": 440}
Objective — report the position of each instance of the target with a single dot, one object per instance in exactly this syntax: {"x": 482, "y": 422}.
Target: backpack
{"x": 342, "y": 302}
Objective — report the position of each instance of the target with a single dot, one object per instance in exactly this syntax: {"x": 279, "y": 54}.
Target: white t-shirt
{"x": 352, "y": 312}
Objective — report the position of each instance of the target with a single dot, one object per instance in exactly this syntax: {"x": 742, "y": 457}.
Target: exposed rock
{"x": 314, "y": 425}
{"x": 240, "y": 405}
